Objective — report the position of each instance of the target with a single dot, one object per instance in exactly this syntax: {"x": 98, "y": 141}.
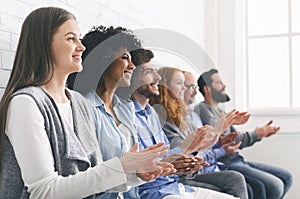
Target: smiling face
{"x": 121, "y": 69}
{"x": 147, "y": 79}
{"x": 176, "y": 84}
{"x": 66, "y": 48}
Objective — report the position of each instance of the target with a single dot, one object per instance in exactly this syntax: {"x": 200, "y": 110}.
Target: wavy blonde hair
{"x": 175, "y": 108}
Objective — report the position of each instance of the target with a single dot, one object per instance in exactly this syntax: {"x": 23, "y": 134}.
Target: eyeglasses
{"x": 191, "y": 87}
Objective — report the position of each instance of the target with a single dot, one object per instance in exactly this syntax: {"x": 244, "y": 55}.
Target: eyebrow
{"x": 73, "y": 33}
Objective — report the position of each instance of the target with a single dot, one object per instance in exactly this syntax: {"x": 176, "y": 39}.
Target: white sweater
{"x": 26, "y": 132}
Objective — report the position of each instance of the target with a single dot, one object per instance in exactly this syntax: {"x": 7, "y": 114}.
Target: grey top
{"x": 209, "y": 116}
{"x": 72, "y": 152}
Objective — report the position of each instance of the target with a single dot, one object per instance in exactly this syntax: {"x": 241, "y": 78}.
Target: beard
{"x": 190, "y": 100}
{"x": 146, "y": 91}
{"x": 218, "y": 96}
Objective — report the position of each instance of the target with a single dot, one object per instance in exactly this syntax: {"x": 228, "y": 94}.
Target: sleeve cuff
{"x": 175, "y": 150}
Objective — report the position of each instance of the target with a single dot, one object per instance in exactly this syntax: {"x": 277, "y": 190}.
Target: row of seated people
{"x": 174, "y": 90}
{"x": 149, "y": 111}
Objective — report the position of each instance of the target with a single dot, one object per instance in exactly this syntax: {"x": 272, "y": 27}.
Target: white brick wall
{"x": 185, "y": 17}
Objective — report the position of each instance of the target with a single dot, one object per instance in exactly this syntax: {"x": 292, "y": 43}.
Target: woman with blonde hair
{"x": 177, "y": 128}
{"x": 171, "y": 92}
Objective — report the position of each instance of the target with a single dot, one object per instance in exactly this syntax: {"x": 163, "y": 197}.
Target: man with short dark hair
{"x": 225, "y": 180}
{"x": 276, "y": 181}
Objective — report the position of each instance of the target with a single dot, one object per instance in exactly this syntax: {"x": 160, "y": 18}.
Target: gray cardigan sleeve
{"x": 247, "y": 138}
{"x": 173, "y": 134}
{"x": 210, "y": 116}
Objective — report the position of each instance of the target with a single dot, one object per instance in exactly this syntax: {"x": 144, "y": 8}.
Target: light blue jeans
{"x": 277, "y": 181}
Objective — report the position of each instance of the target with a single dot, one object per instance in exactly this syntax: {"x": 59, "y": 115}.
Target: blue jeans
{"x": 230, "y": 182}
{"x": 256, "y": 189}
{"x": 277, "y": 181}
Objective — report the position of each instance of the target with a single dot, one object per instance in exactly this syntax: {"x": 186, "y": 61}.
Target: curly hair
{"x": 98, "y": 34}
{"x": 175, "y": 108}
{"x": 101, "y": 42}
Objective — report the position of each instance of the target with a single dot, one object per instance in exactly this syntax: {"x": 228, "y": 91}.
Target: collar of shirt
{"x": 98, "y": 102}
{"x": 139, "y": 109}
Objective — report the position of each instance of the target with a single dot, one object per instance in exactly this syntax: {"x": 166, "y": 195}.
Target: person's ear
{"x": 206, "y": 90}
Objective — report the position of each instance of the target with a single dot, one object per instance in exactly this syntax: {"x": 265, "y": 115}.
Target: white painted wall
{"x": 211, "y": 23}
{"x": 225, "y": 44}
{"x": 184, "y": 17}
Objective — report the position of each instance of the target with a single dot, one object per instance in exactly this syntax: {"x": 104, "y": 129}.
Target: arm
{"x": 26, "y": 132}
{"x": 173, "y": 134}
{"x": 212, "y": 155}
{"x": 208, "y": 117}
{"x": 247, "y": 138}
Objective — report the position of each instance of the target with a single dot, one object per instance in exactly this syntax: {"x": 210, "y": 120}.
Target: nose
{"x": 224, "y": 86}
{"x": 195, "y": 91}
{"x": 80, "y": 46}
{"x": 131, "y": 66}
{"x": 157, "y": 76}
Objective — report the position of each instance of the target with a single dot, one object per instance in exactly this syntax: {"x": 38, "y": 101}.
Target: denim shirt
{"x": 150, "y": 133}
{"x": 112, "y": 142}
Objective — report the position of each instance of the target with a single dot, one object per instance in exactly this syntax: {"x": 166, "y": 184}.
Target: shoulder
{"x": 203, "y": 105}
{"x": 74, "y": 95}
{"x": 23, "y": 101}
{"x": 77, "y": 98}
{"x": 32, "y": 91}
{"x": 170, "y": 125}
{"x": 126, "y": 106}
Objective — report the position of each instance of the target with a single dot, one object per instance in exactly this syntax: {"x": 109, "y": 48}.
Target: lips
{"x": 127, "y": 75}
{"x": 154, "y": 85}
{"x": 77, "y": 57}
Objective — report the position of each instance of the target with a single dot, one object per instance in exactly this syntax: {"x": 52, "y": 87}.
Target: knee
{"x": 258, "y": 186}
{"x": 237, "y": 177}
{"x": 275, "y": 188}
{"x": 287, "y": 181}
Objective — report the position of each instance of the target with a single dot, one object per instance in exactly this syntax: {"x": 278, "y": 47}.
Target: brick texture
{"x": 185, "y": 17}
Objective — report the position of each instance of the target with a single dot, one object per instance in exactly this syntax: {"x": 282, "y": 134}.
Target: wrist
{"x": 258, "y": 132}
{"x": 185, "y": 150}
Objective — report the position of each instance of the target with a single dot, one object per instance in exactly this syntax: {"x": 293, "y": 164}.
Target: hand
{"x": 230, "y": 119}
{"x": 134, "y": 161}
{"x": 225, "y": 121}
{"x": 242, "y": 118}
{"x": 228, "y": 138}
{"x": 186, "y": 164}
{"x": 163, "y": 169}
{"x": 196, "y": 164}
{"x": 266, "y": 130}
{"x": 231, "y": 147}
{"x": 168, "y": 168}
{"x": 200, "y": 139}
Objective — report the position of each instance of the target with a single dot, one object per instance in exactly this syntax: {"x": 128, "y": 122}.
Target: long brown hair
{"x": 33, "y": 64}
{"x": 175, "y": 108}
